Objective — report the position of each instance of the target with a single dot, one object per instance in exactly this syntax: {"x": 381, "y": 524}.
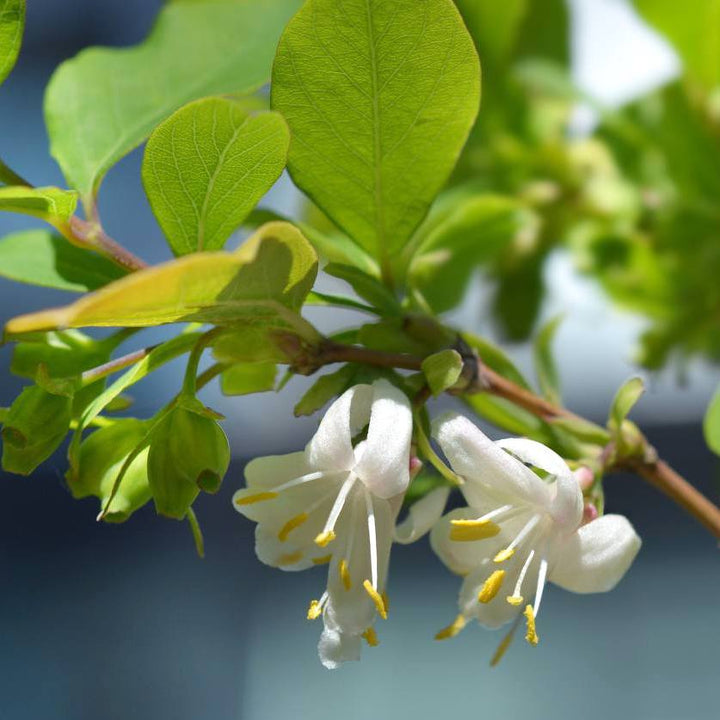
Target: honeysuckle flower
{"x": 520, "y": 531}
{"x": 337, "y": 503}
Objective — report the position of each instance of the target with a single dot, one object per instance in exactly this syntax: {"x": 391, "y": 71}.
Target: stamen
{"x": 516, "y": 598}
{"x": 386, "y": 601}
{"x": 290, "y": 525}
{"x": 291, "y": 558}
{"x": 328, "y": 534}
{"x": 491, "y": 586}
{"x": 377, "y": 598}
{"x": 542, "y": 575}
{"x": 316, "y": 607}
{"x": 505, "y": 643}
{"x": 453, "y": 629}
{"x": 372, "y": 537}
{"x": 471, "y": 530}
{"x": 319, "y": 475}
{"x": 371, "y": 637}
{"x": 345, "y": 574}
{"x": 509, "y": 551}
{"x": 531, "y": 634}
{"x": 324, "y": 560}
{"x": 257, "y": 497}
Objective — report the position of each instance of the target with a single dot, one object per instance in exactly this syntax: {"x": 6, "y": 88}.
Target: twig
{"x": 92, "y": 236}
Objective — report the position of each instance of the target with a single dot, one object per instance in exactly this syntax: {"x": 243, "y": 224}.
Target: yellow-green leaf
{"x": 248, "y": 378}
{"x": 12, "y": 24}
{"x": 51, "y": 204}
{"x": 206, "y": 167}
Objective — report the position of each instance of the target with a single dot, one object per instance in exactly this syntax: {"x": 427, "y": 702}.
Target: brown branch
{"x": 481, "y": 378}
{"x": 92, "y": 236}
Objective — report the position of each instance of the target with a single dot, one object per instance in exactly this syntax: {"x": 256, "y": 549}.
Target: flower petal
{"x": 335, "y": 648}
{"x": 595, "y": 558}
{"x": 422, "y": 515}
{"x": 567, "y": 503}
{"x": 486, "y": 466}
{"x": 498, "y": 611}
{"x": 331, "y": 446}
{"x": 384, "y": 466}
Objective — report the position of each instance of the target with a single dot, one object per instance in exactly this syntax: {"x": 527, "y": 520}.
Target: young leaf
{"x": 325, "y": 389}
{"x": 271, "y": 273}
{"x": 248, "y": 378}
{"x": 380, "y": 98}
{"x": 248, "y": 344}
{"x": 206, "y": 167}
{"x": 545, "y": 366}
{"x": 509, "y": 417}
{"x": 366, "y": 286}
{"x": 495, "y": 358}
{"x": 625, "y": 399}
{"x": 106, "y": 101}
{"x": 53, "y": 205}
{"x": 442, "y": 370}
{"x": 38, "y": 257}
{"x": 12, "y": 25}
{"x": 711, "y": 424}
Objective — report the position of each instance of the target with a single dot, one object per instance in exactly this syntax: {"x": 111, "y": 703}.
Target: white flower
{"x": 520, "y": 530}
{"x": 335, "y": 503}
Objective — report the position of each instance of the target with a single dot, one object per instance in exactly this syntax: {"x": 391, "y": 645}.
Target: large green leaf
{"x": 694, "y": 29}
{"x": 51, "y": 204}
{"x": 106, "y": 101}
{"x": 12, "y": 24}
{"x": 266, "y": 280}
{"x": 38, "y": 257}
{"x": 380, "y": 96}
{"x": 207, "y": 166}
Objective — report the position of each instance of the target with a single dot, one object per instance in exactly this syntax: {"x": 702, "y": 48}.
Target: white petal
{"x": 595, "y": 558}
{"x": 486, "y": 466}
{"x": 567, "y": 503}
{"x": 335, "y": 648}
{"x": 422, "y": 515}
{"x": 265, "y": 473}
{"x": 385, "y": 463}
{"x": 498, "y": 611}
{"x": 331, "y": 446}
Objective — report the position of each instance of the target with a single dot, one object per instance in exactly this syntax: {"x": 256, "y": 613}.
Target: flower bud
{"x": 188, "y": 453}
{"x": 101, "y": 458}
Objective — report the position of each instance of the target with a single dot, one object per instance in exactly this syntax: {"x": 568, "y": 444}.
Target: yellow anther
{"x": 324, "y": 560}
{"x": 491, "y": 586}
{"x": 371, "y": 637}
{"x": 345, "y": 574}
{"x": 256, "y": 498}
{"x": 315, "y": 610}
{"x": 504, "y": 555}
{"x": 290, "y": 558}
{"x": 453, "y": 629}
{"x": 377, "y": 598}
{"x": 531, "y": 635}
{"x": 470, "y": 530}
{"x": 503, "y": 646}
{"x": 386, "y": 601}
{"x": 324, "y": 538}
{"x": 290, "y": 525}
{"x": 515, "y": 599}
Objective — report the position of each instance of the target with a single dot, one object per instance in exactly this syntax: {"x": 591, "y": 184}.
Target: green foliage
{"x": 442, "y": 370}
{"x": 36, "y": 424}
{"x": 206, "y": 167}
{"x": 102, "y": 455}
{"x": 545, "y": 366}
{"x": 249, "y": 378}
{"x": 325, "y": 389}
{"x": 53, "y": 205}
{"x": 106, "y": 101}
{"x": 625, "y": 399}
{"x": 38, "y": 257}
{"x": 711, "y": 424}
{"x": 12, "y": 25}
{"x": 376, "y": 130}
{"x": 366, "y": 286}
{"x": 265, "y": 281}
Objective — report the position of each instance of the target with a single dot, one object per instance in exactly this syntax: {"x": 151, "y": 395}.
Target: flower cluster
{"x": 337, "y": 503}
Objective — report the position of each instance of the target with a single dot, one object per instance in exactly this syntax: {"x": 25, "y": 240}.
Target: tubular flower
{"x": 337, "y": 503}
{"x": 520, "y": 531}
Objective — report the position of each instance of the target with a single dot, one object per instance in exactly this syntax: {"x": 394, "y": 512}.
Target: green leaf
{"x": 475, "y": 231}
{"x": 12, "y": 25}
{"x": 268, "y": 276}
{"x": 380, "y": 98}
{"x": 207, "y": 166}
{"x": 442, "y": 370}
{"x": 248, "y": 378}
{"x": 508, "y": 416}
{"x": 366, "y": 286}
{"x": 694, "y": 30}
{"x": 496, "y": 359}
{"x": 711, "y": 424}
{"x": 248, "y": 344}
{"x": 51, "y": 204}
{"x": 325, "y": 389}
{"x": 106, "y": 101}
{"x": 582, "y": 430}
{"x": 545, "y": 366}
{"x": 38, "y": 257}
{"x": 36, "y": 424}
{"x": 625, "y": 399}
